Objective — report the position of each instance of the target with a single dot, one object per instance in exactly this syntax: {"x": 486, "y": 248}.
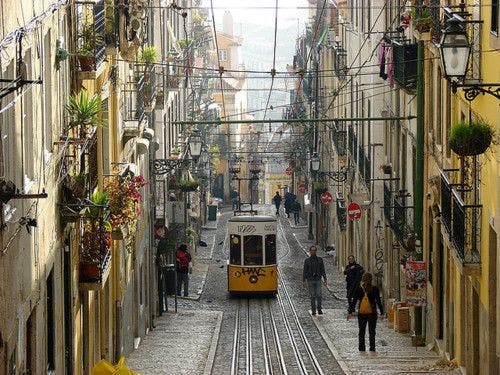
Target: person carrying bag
{"x": 368, "y": 296}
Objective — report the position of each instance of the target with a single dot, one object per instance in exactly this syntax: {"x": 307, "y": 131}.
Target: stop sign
{"x": 302, "y": 188}
{"x": 288, "y": 171}
{"x": 326, "y": 198}
{"x": 353, "y": 211}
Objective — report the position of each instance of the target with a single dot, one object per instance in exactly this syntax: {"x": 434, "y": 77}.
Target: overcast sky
{"x": 287, "y": 16}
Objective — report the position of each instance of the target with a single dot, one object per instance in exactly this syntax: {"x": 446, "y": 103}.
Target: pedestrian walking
{"x": 353, "y": 272}
{"x": 277, "y": 202}
{"x": 295, "y": 209}
{"x": 289, "y": 199}
{"x": 368, "y": 296}
{"x": 183, "y": 269}
{"x": 314, "y": 270}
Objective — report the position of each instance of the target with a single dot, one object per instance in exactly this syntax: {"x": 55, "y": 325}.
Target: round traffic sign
{"x": 302, "y": 188}
{"x": 353, "y": 211}
{"x": 288, "y": 171}
{"x": 326, "y": 198}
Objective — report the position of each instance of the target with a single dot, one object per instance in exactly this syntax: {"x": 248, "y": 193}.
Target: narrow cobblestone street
{"x": 199, "y": 338}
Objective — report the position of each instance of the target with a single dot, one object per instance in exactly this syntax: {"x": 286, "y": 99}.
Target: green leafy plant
{"x": 83, "y": 110}
{"x": 89, "y": 39}
{"x": 319, "y": 187}
{"x": 214, "y": 150}
{"x": 187, "y": 185}
{"x": 149, "y": 55}
{"x": 99, "y": 205}
{"x": 185, "y": 43}
{"x": 470, "y": 138}
{"x": 191, "y": 235}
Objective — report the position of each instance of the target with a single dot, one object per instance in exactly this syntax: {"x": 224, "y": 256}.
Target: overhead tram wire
{"x": 273, "y": 70}
{"x": 221, "y": 68}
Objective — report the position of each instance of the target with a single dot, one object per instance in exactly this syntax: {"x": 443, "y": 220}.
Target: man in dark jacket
{"x": 295, "y": 209}
{"x": 277, "y": 202}
{"x": 353, "y": 272}
{"x": 314, "y": 270}
{"x": 182, "y": 267}
{"x": 289, "y": 199}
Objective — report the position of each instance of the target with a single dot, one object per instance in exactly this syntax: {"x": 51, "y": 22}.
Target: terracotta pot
{"x": 86, "y": 63}
{"x": 90, "y": 272}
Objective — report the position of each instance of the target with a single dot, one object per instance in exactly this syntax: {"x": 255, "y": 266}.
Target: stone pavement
{"x": 182, "y": 343}
{"x": 395, "y": 353}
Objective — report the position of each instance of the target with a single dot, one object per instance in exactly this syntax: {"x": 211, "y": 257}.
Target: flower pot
{"x": 469, "y": 139}
{"x": 90, "y": 272}
{"x": 386, "y": 168}
{"x": 86, "y": 63}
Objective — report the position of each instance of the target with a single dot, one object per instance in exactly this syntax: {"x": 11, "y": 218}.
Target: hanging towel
{"x": 390, "y": 67}
{"x": 381, "y": 60}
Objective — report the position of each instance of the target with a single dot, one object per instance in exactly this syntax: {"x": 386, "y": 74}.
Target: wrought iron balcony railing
{"x": 405, "y": 63}
{"x": 364, "y": 165}
{"x": 462, "y": 221}
{"x": 339, "y": 139}
{"x": 387, "y": 203}
{"x": 341, "y": 214}
{"x": 90, "y": 35}
{"x": 402, "y": 222}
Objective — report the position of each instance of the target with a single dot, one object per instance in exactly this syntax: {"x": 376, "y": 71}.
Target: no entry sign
{"x": 326, "y": 198}
{"x": 353, "y": 211}
{"x": 288, "y": 171}
{"x": 302, "y": 188}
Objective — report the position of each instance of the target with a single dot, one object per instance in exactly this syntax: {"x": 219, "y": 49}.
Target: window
{"x": 252, "y": 248}
{"x": 223, "y": 55}
{"x": 235, "y": 249}
{"x": 270, "y": 249}
{"x": 494, "y": 17}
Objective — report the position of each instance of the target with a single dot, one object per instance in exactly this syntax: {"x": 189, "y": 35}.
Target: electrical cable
{"x": 221, "y": 68}
{"x": 273, "y": 70}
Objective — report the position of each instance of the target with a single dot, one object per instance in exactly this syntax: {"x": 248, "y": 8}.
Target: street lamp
{"x": 195, "y": 144}
{"x": 455, "y": 50}
{"x": 315, "y": 162}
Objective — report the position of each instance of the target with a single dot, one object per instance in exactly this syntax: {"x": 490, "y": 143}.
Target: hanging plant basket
{"x": 319, "y": 187}
{"x": 470, "y": 138}
{"x": 188, "y": 185}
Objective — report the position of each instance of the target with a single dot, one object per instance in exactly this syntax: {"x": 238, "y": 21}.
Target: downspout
{"x": 419, "y": 177}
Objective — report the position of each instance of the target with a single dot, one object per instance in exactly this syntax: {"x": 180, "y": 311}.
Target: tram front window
{"x": 271, "y": 249}
{"x": 235, "y": 249}
{"x": 252, "y": 248}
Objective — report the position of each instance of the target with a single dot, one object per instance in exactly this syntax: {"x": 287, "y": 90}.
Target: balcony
{"x": 341, "y": 214}
{"x": 137, "y": 98}
{"x": 405, "y": 64}
{"x": 90, "y": 38}
{"x": 364, "y": 165}
{"x": 339, "y": 61}
{"x": 339, "y": 139}
{"x": 402, "y": 223}
{"x": 95, "y": 256}
{"x": 461, "y": 221}
{"x": 387, "y": 203}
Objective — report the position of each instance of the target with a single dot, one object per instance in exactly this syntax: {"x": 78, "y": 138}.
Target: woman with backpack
{"x": 368, "y": 296}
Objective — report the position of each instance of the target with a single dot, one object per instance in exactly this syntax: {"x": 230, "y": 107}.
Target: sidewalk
{"x": 182, "y": 343}
{"x": 394, "y": 355}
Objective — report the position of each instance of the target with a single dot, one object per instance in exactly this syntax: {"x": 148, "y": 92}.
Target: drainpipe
{"x": 419, "y": 178}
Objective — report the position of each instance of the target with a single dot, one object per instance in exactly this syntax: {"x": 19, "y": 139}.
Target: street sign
{"x": 326, "y": 198}
{"x": 288, "y": 171}
{"x": 302, "y": 188}
{"x": 353, "y": 211}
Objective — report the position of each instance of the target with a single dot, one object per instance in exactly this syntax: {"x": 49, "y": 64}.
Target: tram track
{"x": 271, "y": 331}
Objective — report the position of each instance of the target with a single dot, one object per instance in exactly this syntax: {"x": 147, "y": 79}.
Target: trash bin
{"x": 170, "y": 279}
{"x": 212, "y": 212}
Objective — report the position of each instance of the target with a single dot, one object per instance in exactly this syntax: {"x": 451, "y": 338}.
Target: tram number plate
{"x": 246, "y": 229}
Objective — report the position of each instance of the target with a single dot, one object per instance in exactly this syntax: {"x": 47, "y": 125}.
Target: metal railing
{"x": 387, "y": 202}
{"x": 461, "y": 220}
{"x": 91, "y": 33}
{"x": 364, "y": 165}
{"x": 405, "y": 64}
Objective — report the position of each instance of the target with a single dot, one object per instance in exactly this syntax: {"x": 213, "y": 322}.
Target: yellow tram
{"x": 252, "y": 266}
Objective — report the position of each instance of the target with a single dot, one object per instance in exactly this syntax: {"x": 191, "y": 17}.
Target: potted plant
{"x": 319, "y": 187}
{"x": 185, "y": 43}
{"x": 188, "y": 185}
{"x": 470, "y": 138}
{"x": 96, "y": 239}
{"x": 124, "y": 207}
{"x": 149, "y": 55}
{"x": 83, "y": 110}
{"x": 89, "y": 39}
{"x": 386, "y": 168}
